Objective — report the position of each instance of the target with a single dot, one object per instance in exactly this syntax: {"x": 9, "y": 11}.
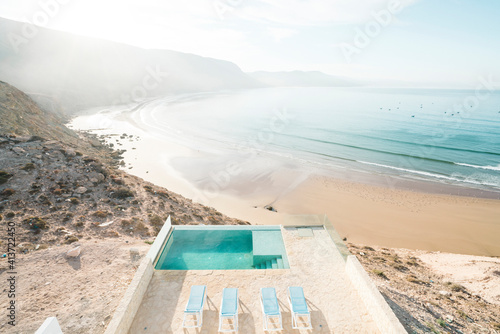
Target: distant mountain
{"x": 82, "y": 72}
{"x": 300, "y": 79}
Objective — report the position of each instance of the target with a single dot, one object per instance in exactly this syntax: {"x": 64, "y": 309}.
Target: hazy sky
{"x": 429, "y": 42}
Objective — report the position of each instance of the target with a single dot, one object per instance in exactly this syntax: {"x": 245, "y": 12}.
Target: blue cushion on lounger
{"x": 229, "y": 301}
{"x": 270, "y": 301}
{"x": 195, "y": 303}
{"x": 298, "y": 300}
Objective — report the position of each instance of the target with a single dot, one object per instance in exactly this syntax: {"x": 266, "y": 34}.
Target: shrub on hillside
{"x": 7, "y": 192}
{"x": 29, "y": 166}
{"x": 122, "y": 193}
{"x": 156, "y": 220}
{"x": 70, "y": 239}
{"x": 4, "y": 176}
{"x": 100, "y": 214}
{"x": 74, "y": 200}
{"x": 36, "y": 223}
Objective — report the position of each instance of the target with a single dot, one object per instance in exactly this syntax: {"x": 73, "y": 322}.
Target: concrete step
{"x": 276, "y": 263}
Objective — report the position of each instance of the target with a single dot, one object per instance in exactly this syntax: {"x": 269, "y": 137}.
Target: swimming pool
{"x": 223, "y": 248}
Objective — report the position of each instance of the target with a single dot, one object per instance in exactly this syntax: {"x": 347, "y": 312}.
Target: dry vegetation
{"x": 424, "y": 301}
{"x": 65, "y": 196}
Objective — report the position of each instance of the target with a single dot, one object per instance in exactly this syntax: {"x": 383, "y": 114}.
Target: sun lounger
{"x": 301, "y": 317}
{"x": 271, "y": 310}
{"x": 228, "y": 317}
{"x": 194, "y": 309}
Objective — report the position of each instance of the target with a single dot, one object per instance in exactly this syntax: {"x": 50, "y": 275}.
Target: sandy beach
{"x": 365, "y": 209}
{"x": 397, "y": 218}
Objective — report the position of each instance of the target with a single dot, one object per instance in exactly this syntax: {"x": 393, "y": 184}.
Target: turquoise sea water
{"x": 444, "y": 136}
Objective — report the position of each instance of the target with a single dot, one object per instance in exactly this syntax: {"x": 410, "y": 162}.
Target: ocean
{"x": 443, "y": 136}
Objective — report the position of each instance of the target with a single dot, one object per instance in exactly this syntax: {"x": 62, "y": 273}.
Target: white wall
{"x": 378, "y": 308}
{"x": 49, "y": 326}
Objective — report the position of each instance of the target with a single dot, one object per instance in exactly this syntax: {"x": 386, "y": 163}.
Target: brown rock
{"x": 75, "y": 252}
{"x": 70, "y": 153}
{"x": 18, "y": 150}
{"x": 81, "y": 190}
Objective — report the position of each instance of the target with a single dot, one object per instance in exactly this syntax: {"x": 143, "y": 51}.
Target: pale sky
{"x": 423, "y": 42}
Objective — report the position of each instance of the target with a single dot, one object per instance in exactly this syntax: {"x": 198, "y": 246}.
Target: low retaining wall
{"x": 381, "y": 313}
{"x": 160, "y": 240}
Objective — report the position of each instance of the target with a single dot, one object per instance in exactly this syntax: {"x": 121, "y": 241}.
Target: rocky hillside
{"x": 57, "y": 194}
{"x": 426, "y": 301}
{"x": 21, "y": 116}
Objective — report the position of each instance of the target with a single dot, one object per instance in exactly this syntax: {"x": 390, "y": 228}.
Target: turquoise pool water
{"x": 209, "y": 248}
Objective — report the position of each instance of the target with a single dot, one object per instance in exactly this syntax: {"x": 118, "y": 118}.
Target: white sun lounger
{"x": 301, "y": 317}
{"x": 193, "y": 313}
{"x": 228, "y": 317}
{"x": 270, "y": 309}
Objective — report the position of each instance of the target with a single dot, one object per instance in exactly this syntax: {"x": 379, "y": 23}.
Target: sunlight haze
{"x": 424, "y": 43}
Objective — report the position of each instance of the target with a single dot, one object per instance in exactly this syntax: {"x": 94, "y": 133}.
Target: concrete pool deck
{"x": 315, "y": 264}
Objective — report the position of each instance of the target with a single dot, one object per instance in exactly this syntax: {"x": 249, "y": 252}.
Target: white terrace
{"x": 339, "y": 293}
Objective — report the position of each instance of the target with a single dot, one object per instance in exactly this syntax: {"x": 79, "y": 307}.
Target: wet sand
{"x": 366, "y": 209}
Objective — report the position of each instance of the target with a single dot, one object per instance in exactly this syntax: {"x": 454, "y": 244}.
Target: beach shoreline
{"x": 364, "y": 208}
